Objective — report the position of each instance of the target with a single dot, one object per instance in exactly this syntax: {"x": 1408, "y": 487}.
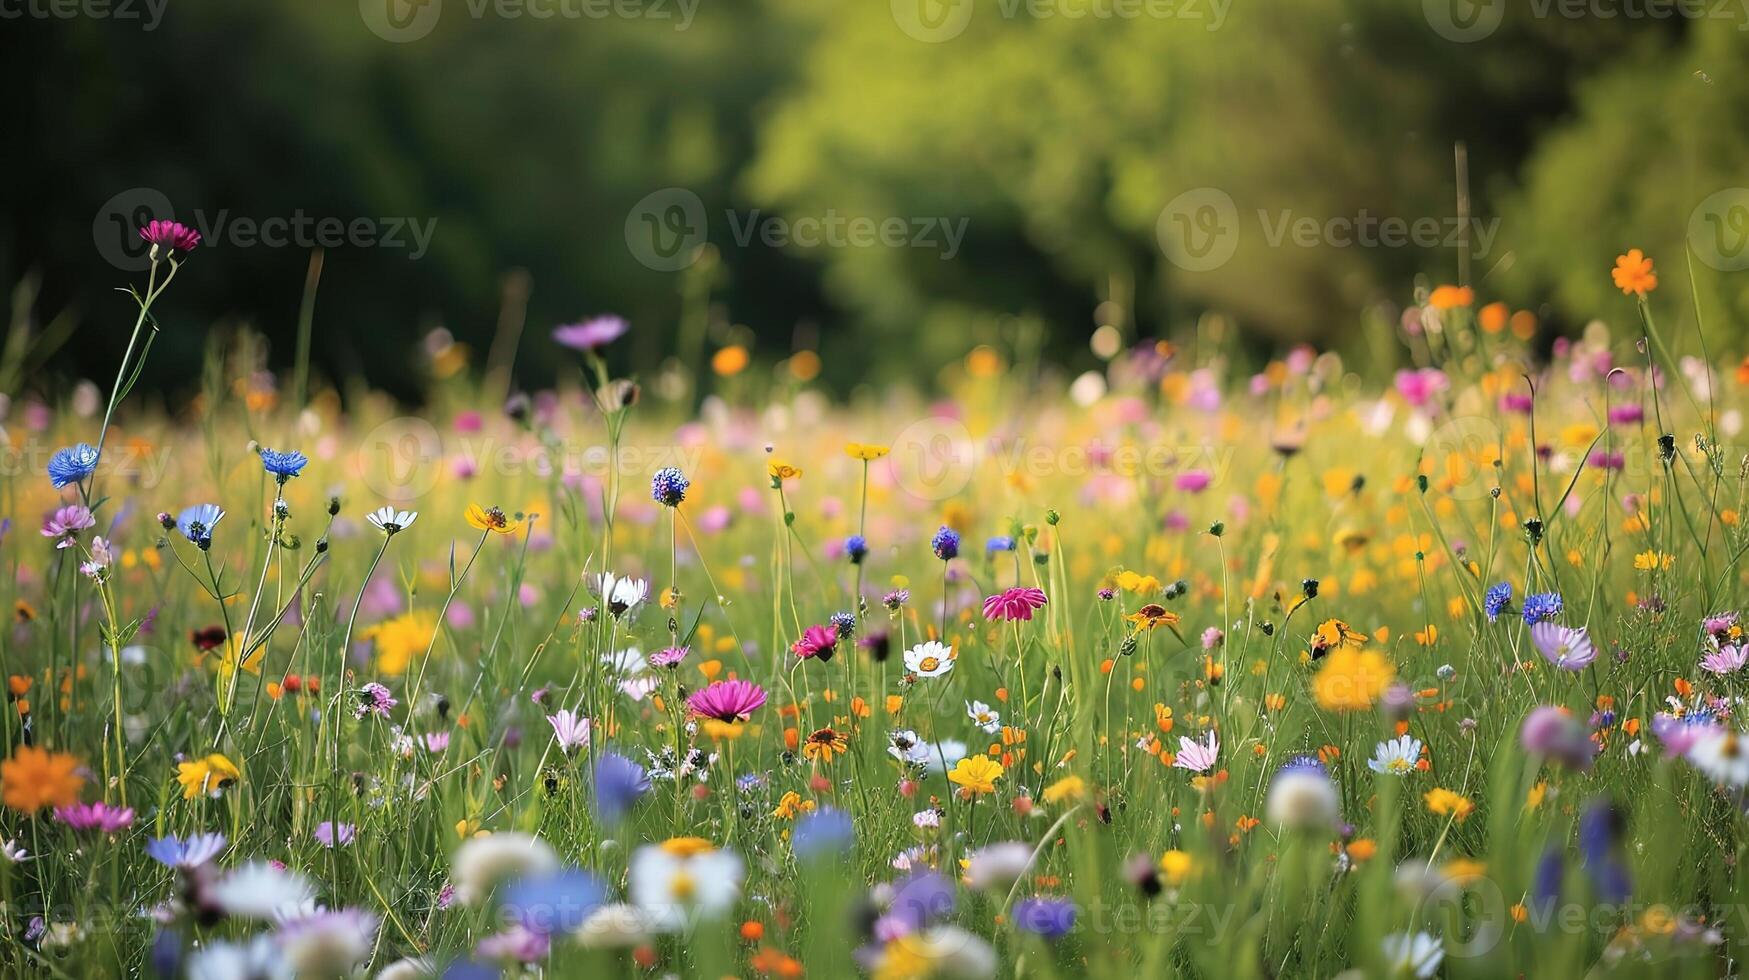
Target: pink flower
{"x": 1419, "y": 387}
{"x": 569, "y": 730}
{"x": 1193, "y": 481}
{"x": 816, "y": 642}
{"x": 591, "y": 334}
{"x": 1563, "y": 646}
{"x": 1725, "y": 660}
{"x": 730, "y": 701}
{"x": 1013, "y": 604}
{"x": 95, "y": 816}
{"x": 66, "y": 524}
{"x": 1197, "y": 756}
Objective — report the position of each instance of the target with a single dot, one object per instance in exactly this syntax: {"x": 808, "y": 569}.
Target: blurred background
{"x": 854, "y": 192}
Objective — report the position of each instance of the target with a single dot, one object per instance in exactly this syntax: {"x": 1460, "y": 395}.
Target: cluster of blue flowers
{"x": 946, "y": 543}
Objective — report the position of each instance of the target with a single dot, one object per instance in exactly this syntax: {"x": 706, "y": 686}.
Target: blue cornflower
{"x": 1600, "y": 830}
{"x": 1499, "y": 597}
{"x": 619, "y": 783}
{"x": 844, "y": 623}
{"x": 1303, "y": 763}
{"x": 856, "y": 548}
{"x": 668, "y": 487}
{"x": 946, "y": 543}
{"x": 175, "y": 852}
{"x": 555, "y": 903}
{"x": 1540, "y": 607}
{"x": 196, "y": 523}
{"x": 283, "y": 466}
{"x": 1000, "y": 542}
{"x": 72, "y": 465}
{"x": 1051, "y": 918}
{"x": 823, "y": 833}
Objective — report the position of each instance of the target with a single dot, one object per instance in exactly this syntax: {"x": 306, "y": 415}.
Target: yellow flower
{"x": 687, "y": 846}
{"x": 824, "y": 744}
{"x": 780, "y": 471}
{"x": 1071, "y": 788}
{"x": 491, "y": 519}
{"x": 1332, "y": 633}
{"x": 1176, "y": 866}
{"x": 1651, "y": 561}
{"x": 867, "y": 452}
{"x": 977, "y": 774}
{"x": 1352, "y": 680}
{"x": 206, "y": 776}
{"x": 34, "y": 778}
{"x": 400, "y": 639}
{"x": 1152, "y": 615}
{"x": 1444, "y": 802}
{"x": 721, "y": 731}
{"x": 792, "y": 806}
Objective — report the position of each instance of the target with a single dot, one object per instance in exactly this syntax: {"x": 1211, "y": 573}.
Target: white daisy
{"x": 224, "y": 960}
{"x": 984, "y": 717}
{"x": 1396, "y": 757}
{"x": 931, "y": 658}
{"x": 1723, "y": 755}
{"x": 258, "y": 890}
{"x": 481, "y": 864}
{"x": 389, "y": 520}
{"x": 674, "y": 890}
{"x": 1417, "y": 954}
{"x": 998, "y": 866}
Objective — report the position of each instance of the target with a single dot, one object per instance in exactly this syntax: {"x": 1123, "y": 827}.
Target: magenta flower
{"x": 730, "y": 701}
{"x": 1725, "y": 660}
{"x": 1013, "y": 604}
{"x": 818, "y": 642}
{"x": 1566, "y": 647}
{"x": 1193, "y": 481}
{"x": 173, "y": 235}
{"x": 591, "y": 334}
{"x": 95, "y": 816}
{"x": 669, "y": 658}
{"x": 66, "y": 523}
{"x": 1419, "y": 387}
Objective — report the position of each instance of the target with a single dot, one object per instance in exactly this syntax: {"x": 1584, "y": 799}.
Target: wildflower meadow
{"x": 1186, "y": 666}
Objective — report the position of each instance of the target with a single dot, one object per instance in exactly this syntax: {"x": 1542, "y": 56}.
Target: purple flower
{"x": 1051, "y": 918}
{"x": 619, "y": 783}
{"x": 1553, "y": 733}
{"x": 374, "y": 699}
{"x": 327, "y": 837}
{"x": 569, "y": 730}
{"x": 1725, "y": 660}
{"x": 554, "y": 903}
{"x": 591, "y": 334}
{"x": 823, "y": 833}
{"x": 173, "y": 235}
{"x": 668, "y": 658}
{"x": 946, "y": 543}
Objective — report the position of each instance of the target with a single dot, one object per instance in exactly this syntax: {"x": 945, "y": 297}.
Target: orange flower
{"x": 491, "y": 519}
{"x": 1633, "y": 273}
{"x": 1450, "y": 297}
{"x": 824, "y": 744}
{"x": 33, "y": 779}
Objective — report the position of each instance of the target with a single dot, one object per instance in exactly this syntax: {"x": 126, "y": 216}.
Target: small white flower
{"x": 222, "y": 960}
{"x": 616, "y": 926}
{"x": 1723, "y": 755}
{"x": 481, "y": 864}
{"x": 12, "y": 852}
{"x": 1396, "y": 757}
{"x": 1303, "y": 799}
{"x": 984, "y": 717}
{"x": 905, "y": 746}
{"x": 931, "y": 658}
{"x": 389, "y": 520}
{"x": 260, "y": 891}
{"x": 926, "y": 819}
{"x": 1417, "y": 954}
{"x": 998, "y": 866}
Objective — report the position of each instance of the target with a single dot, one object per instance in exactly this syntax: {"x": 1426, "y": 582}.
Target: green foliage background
{"x": 1057, "y": 139}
